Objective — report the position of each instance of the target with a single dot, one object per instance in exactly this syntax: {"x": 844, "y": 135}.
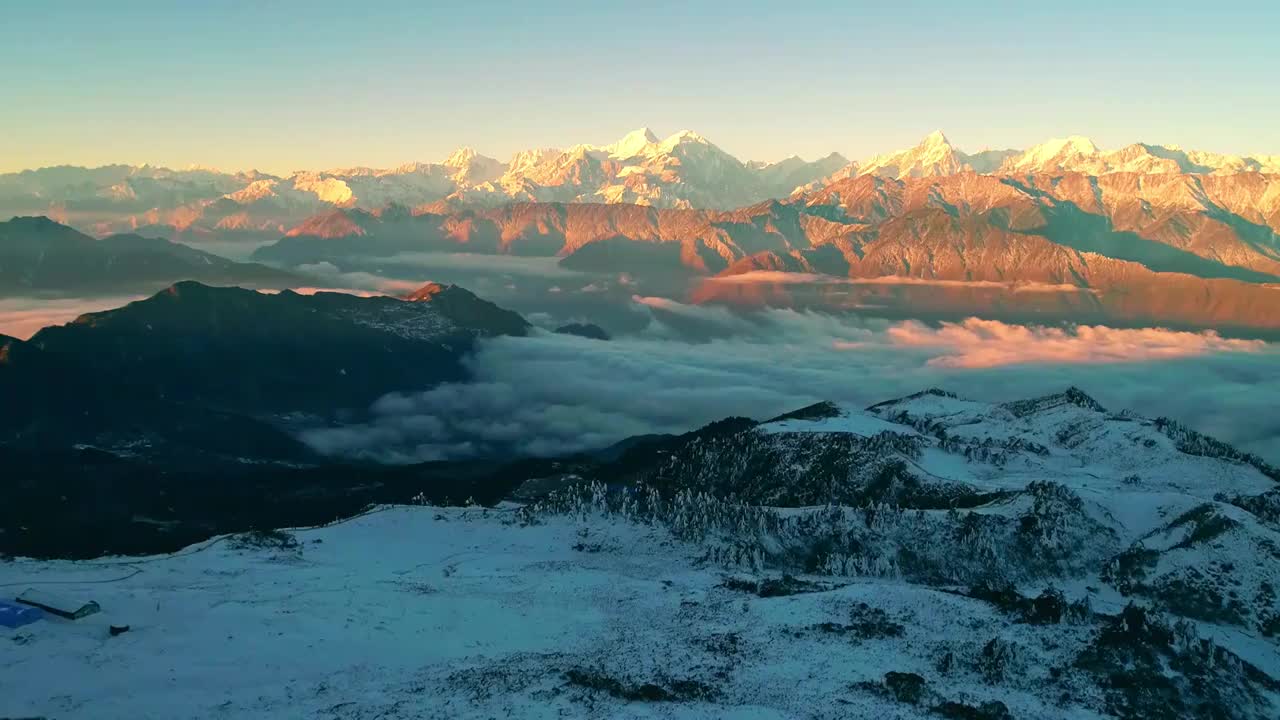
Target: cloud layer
{"x": 778, "y": 277}
{"x": 21, "y": 317}
{"x": 551, "y": 394}
{"x": 977, "y": 343}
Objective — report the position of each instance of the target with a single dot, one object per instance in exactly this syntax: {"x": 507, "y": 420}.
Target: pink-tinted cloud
{"x": 777, "y": 277}
{"x": 978, "y": 343}
{"x": 340, "y": 281}
{"x": 23, "y": 317}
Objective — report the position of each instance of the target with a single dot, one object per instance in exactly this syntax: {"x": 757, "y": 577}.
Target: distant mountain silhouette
{"x": 209, "y": 368}
{"x": 586, "y": 330}
{"x": 38, "y": 255}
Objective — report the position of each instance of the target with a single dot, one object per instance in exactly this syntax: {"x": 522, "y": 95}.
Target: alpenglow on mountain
{"x": 683, "y": 170}
{"x": 1183, "y": 249}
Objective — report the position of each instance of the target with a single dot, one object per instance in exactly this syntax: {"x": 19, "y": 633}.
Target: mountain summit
{"x": 935, "y": 138}
{"x": 632, "y": 144}
{"x": 934, "y": 156}
{"x": 464, "y": 308}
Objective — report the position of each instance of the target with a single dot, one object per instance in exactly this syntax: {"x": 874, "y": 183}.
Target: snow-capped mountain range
{"x": 683, "y": 170}
{"x": 936, "y": 156}
{"x": 1190, "y": 249}
{"x": 1143, "y": 234}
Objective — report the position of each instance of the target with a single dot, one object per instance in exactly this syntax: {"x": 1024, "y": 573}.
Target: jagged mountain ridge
{"x": 684, "y": 170}
{"x": 1121, "y": 247}
{"x": 937, "y": 450}
{"x": 1058, "y": 485}
{"x": 935, "y": 156}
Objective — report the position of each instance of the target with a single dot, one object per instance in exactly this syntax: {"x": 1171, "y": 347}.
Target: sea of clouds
{"x": 551, "y": 394}
{"x": 674, "y": 367}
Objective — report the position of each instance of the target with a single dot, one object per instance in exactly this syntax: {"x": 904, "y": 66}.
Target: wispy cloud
{"x": 358, "y": 281}
{"x": 977, "y": 343}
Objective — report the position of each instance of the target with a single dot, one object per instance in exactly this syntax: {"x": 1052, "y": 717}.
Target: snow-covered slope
{"x": 1032, "y": 559}
{"x": 1071, "y": 439}
{"x": 934, "y": 449}
{"x": 933, "y": 156}
{"x": 427, "y": 612}
{"x": 1080, "y": 154}
{"x": 1055, "y": 488}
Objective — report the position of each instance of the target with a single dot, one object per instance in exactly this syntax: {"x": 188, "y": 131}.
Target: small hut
{"x": 60, "y": 606}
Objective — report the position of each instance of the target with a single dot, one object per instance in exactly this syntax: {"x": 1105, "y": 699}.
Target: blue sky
{"x": 287, "y": 85}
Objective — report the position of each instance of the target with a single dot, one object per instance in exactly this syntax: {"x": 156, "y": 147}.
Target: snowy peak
{"x": 472, "y": 168}
{"x": 1078, "y": 144}
{"x": 1054, "y": 155}
{"x": 1079, "y": 154}
{"x": 253, "y": 192}
{"x": 935, "y": 139}
{"x": 935, "y": 451}
{"x": 523, "y": 160}
{"x": 632, "y": 144}
{"x": 684, "y": 137}
{"x": 794, "y": 174}
{"x": 461, "y": 157}
{"x": 933, "y": 156}
{"x": 980, "y": 447}
{"x": 683, "y": 170}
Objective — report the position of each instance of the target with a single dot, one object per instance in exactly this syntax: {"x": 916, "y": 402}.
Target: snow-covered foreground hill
{"x": 1044, "y": 558}
{"x": 412, "y": 612}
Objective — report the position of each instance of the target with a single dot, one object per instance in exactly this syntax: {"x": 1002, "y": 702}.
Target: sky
{"x": 284, "y": 85}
